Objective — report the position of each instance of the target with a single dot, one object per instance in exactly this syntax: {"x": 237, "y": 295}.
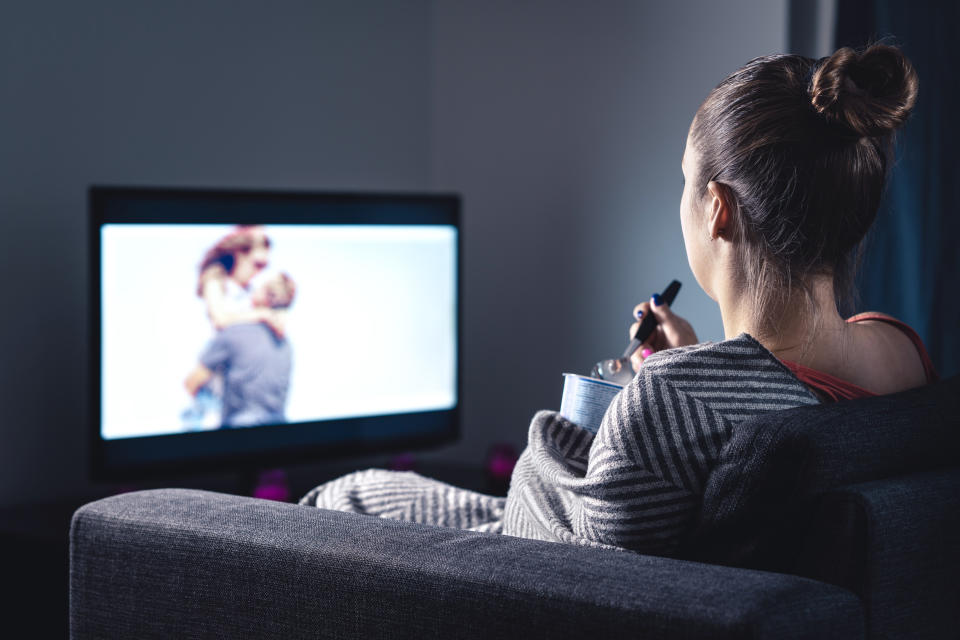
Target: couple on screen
{"x": 245, "y": 368}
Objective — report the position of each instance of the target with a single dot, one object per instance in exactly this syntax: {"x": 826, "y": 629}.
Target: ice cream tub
{"x": 586, "y": 399}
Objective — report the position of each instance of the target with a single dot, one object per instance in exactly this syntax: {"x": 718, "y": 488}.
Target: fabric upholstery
{"x": 896, "y": 543}
{"x": 193, "y": 564}
{"x": 761, "y": 495}
{"x": 635, "y": 485}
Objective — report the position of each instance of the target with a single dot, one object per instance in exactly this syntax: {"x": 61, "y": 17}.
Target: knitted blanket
{"x": 636, "y": 484}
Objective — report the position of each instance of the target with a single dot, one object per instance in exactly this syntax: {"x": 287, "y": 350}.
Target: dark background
{"x": 561, "y": 124}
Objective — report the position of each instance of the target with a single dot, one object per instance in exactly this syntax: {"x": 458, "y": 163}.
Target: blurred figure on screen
{"x": 224, "y": 283}
{"x": 253, "y": 360}
{"x": 226, "y": 271}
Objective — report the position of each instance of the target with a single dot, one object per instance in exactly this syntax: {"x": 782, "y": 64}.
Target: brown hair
{"x": 219, "y": 260}
{"x": 803, "y": 148}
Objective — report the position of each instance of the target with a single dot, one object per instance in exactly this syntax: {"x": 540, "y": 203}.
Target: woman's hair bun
{"x": 871, "y": 92}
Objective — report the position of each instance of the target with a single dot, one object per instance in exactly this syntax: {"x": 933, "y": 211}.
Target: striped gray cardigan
{"x": 635, "y": 484}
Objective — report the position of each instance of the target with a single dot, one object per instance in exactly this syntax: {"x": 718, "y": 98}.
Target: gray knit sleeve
{"x": 648, "y": 465}
{"x": 639, "y": 486}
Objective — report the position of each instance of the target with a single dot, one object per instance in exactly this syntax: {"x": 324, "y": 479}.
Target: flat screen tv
{"x": 254, "y": 329}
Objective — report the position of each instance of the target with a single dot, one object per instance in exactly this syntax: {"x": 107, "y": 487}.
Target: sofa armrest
{"x": 194, "y": 564}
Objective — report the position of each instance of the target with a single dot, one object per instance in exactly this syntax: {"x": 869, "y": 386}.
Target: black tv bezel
{"x": 238, "y": 449}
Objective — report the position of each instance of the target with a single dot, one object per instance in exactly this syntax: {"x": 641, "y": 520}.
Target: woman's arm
{"x": 222, "y": 316}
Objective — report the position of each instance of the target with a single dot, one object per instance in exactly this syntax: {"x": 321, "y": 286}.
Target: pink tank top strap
{"x": 831, "y": 388}
{"x": 928, "y": 368}
{"x": 828, "y": 387}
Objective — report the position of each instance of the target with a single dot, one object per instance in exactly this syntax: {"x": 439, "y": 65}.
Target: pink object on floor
{"x": 500, "y": 461}
{"x": 272, "y": 485}
{"x": 403, "y": 462}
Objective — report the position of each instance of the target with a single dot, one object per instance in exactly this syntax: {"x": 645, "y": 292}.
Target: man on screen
{"x": 255, "y": 363}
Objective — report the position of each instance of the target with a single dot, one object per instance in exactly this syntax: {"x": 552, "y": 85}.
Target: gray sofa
{"x": 838, "y": 521}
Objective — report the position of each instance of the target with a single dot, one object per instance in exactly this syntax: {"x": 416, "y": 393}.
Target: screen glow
{"x": 371, "y": 331}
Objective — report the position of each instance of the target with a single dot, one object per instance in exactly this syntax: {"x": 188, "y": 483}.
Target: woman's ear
{"x": 719, "y": 211}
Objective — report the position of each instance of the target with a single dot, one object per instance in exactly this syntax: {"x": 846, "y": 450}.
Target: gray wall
{"x": 561, "y": 123}
{"x": 214, "y": 93}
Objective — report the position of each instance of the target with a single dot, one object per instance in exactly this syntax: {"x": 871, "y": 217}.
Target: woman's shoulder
{"x": 890, "y": 325}
{"x": 895, "y": 356}
{"x": 741, "y": 348}
{"x": 734, "y": 358}
{"x": 212, "y": 280}
{"x": 737, "y": 375}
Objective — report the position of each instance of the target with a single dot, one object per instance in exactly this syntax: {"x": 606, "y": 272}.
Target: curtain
{"x": 911, "y": 266}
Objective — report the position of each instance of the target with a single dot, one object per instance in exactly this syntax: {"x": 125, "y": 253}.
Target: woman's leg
{"x": 404, "y": 495}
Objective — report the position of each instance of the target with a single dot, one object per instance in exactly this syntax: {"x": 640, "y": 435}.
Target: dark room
{"x": 480, "y": 319}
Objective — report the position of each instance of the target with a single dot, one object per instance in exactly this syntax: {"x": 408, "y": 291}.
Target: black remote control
{"x": 649, "y": 322}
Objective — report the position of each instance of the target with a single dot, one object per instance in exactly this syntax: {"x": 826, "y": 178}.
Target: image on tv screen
{"x": 207, "y": 327}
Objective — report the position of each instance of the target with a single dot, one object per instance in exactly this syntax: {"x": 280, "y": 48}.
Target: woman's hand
{"x": 671, "y": 330}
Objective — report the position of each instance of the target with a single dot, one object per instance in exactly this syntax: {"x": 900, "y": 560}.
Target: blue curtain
{"x": 911, "y": 267}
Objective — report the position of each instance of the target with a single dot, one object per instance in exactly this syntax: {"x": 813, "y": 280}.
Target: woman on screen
{"x": 226, "y": 271}
{"x": 784, "y": 166}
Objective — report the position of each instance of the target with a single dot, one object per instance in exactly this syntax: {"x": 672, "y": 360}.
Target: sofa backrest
{"x": 896, "y": 544}
{"x": 761, "y": 502}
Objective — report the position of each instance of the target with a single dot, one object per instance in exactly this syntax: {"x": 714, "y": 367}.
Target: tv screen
{"x": 255, "y": 329}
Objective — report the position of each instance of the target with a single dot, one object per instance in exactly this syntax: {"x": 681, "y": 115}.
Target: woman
{"x": 787, "y": 194}
{"x": 225, "y": 274}
{"x": 784, "y": 167}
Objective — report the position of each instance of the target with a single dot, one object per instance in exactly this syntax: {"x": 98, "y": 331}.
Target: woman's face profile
{"x": 247, "y": 264}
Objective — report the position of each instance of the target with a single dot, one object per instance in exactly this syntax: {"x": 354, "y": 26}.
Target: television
{"x": 244, "y": 330}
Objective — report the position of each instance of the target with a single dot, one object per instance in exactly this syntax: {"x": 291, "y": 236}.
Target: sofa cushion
{"x": 763, "y": 492}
